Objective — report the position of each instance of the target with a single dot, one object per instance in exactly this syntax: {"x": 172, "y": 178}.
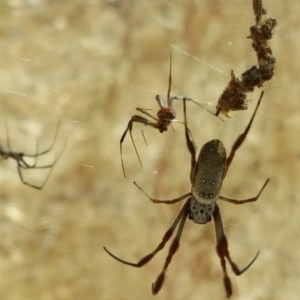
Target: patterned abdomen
{"x": 201, "y": 213}
{"x": 209, "y": 172}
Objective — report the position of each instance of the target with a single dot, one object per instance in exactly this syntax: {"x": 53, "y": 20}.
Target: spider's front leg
{"x": 241, "y": 138}
{"x": 134, "y": 119}
{"x": 189, "y": 142}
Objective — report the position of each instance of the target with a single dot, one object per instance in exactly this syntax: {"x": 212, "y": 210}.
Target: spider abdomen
{"x": 201, "y": 213}
{"x": 209, "y": 172}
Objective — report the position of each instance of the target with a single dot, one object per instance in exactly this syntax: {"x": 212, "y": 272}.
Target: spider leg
{"x": 156, "y": 286}
{"x": 25, "y": 166}
{"x": 37, "y": 149}
{"x": 171, "y": 99}
{"x": 159, "y": 101}
{"x": 137, "y": 119}
{"x": 22, "y": 156}
{"x": 190, "y": 144}
{"x": 172, "y": 201}
{"x": 7, "y": 138}
{"x": 253, "y": 199}
{"x": 170, "y": 82}
{"x": 143, "y": 134}
{"x": 47, "y": 150}
{"x": 240, "y": 140}
{"x": 143, "y": 110}
{"x": 192, "y": 100}
{"x": 172, "y": 127}
{"x": 190, "y": 133}
{"x": 223, "y": 252}
{"x": 182, "y": 214}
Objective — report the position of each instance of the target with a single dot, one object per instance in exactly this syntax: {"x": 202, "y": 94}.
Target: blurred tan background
{"x": 89, "y": 63}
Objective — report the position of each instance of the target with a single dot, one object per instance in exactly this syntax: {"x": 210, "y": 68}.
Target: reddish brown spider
{"x": 206, "y": 175}
{"x": 165, "y": 116}
{"x": 22, "y": 164}
{"x": 234, "y": 96}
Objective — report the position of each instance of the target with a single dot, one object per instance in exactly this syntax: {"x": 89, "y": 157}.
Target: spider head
{"x": 200, "y": 213}
{"x": 166, "y": 114}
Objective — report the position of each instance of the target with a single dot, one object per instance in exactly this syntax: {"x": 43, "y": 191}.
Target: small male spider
{"x": 165, "y": 116}
{"x": 22, "y": 164}
{"x": 206, "y": 175}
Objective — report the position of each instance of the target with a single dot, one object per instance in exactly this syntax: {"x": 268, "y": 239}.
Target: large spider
{"x": 22, "y": 164}
{"x": 165, "y": 116}
{"x": 206, "y": 175}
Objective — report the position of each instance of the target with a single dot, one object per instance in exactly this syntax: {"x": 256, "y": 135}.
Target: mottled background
{"x": 89, "y": 63}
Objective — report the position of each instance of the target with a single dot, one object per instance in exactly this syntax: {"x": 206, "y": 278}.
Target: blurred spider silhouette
{"x": 22, "y": 160}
